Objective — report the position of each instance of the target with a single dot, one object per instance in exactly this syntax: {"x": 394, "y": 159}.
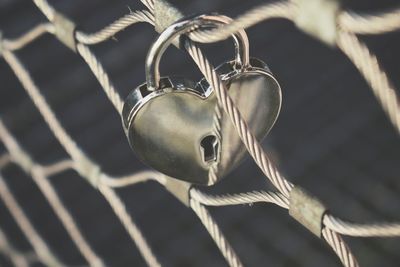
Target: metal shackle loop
{"x": 169, "y": 34}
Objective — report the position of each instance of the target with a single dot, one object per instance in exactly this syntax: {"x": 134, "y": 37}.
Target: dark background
{"x": 332, "y": 137}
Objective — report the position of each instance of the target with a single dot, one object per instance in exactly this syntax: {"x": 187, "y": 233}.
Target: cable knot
{"x": 24, "y": 160}
{"x": 89, "y": 170}
{"x": 318, "y": 18}
{"x": 180, "y": 189}
{"x": 65, "y": 30}
{"x": 307, "y": 210}
{"x": 36, "y": 170}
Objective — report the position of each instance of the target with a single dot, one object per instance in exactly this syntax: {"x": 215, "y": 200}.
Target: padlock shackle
{"x": 175, "y": 30}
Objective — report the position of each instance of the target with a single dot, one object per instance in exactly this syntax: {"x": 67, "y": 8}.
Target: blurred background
{"x": 332, "y": 137}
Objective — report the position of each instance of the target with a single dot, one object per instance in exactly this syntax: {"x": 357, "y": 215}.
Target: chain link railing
{"x": 346, "y": 24}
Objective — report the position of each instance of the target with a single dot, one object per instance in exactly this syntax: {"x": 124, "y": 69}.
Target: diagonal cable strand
{"x": 362, "y": 230}
{"x": 19, "y": 259}
{"x": 66, "y": 218}
{"x": 38, "y": 175}
{"x": 256, "y": 151}
{"x": 370, "y": 23}
{"x": 101, "y": 76}
{"x": 133, "y": 230}
{"x": 111, "y": 197}
{"x": 115, "y": 27}
{"x": 279, "y": 9}
{"x": 216, "y": 234}
{"x": 40, "y": 247}
{"x": 249, "y": 140}
{"x": 127, "y": 180}
{"x": 40, "y": 102}
{"x": 28, "y": 37}
{"x": 84, "y": 165}
{"x": 368, "y": 65}
{"x": 149, "y": 4}
{"x": 46, "y": 8}
{"x": 341, "y": 249}
{"x": 242, "y": 198}
{"x": 347, "y": 21}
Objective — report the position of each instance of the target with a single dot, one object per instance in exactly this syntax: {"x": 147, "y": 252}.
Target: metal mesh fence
{"x": 86, "y": 167}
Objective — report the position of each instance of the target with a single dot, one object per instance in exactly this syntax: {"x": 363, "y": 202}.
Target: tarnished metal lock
{"x": 170, "y": 122}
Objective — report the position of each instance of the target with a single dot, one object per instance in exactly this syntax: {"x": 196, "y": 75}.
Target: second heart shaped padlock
{"x": 170, "y": 122}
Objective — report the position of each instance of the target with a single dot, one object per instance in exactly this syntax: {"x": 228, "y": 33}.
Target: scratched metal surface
{"x": 332, "y": 137}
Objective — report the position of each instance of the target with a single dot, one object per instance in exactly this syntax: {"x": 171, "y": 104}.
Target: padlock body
{"x": 177, "y": 131}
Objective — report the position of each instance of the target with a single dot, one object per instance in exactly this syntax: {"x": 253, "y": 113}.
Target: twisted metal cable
{"x": 84, "y": 165}
{"x": 213, "y": 169}
{"x": 101, "y": 76}
{"x": 347, "y": 21}
{"x": 40, "y": 102}
{"x": 370, "y": 24}
{"x": 100, "y": 36}
{"x": 115, "y": 27}
{"x": 84, "y": 51}
{"x": 357, "y": 52}
{"x": 16, "y": 154}
{"x": 137, "y": 177}
{"x": 340, "y": 248}
{"x": 20, "y": 157}
{"x": 19, "y": 259}
{"x": 368, "y": 65}
{"x": 149, "y": 4}
{"x": 377, "y": 23}
{"x": 66, "y": 218}
{"x": 120, "y": 210}
{"x": 28, "y": 37}
{"x": 242, "y": 198}
{"x": 57, "y": 167}
{"x": 216, "y": 234}
{"x": 109, "y": 30}
{"x": 362, "y": 230}
{"x": 40, "y": 247}
{"x": 46, "y": 9}
{"x": 248, "y": 138}
{"x": 269, "y": 169}
{"x": 280, "y": 9}
{"x": 38, "y": 173}
{"x": 97, "y": 37}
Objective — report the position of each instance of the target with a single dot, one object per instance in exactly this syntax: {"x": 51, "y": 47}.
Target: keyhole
{"x": 209, "y": 148}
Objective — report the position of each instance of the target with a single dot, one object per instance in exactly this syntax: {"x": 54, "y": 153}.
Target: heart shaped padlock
{"x": 171, "y": 122}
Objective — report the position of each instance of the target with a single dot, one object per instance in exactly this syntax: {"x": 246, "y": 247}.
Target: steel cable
{"x": 349, "y": 24}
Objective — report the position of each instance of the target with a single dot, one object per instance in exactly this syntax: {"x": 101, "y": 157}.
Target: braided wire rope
{"x": 18, "y": 258}
{"x": 241, "y": 198}
{"x": 348, "y": 24}
{"x": 39, "y": 245}
{"x": 356, "y": 51}
{"x": 214, "y": 231}
{"x": 341, "y": 250}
